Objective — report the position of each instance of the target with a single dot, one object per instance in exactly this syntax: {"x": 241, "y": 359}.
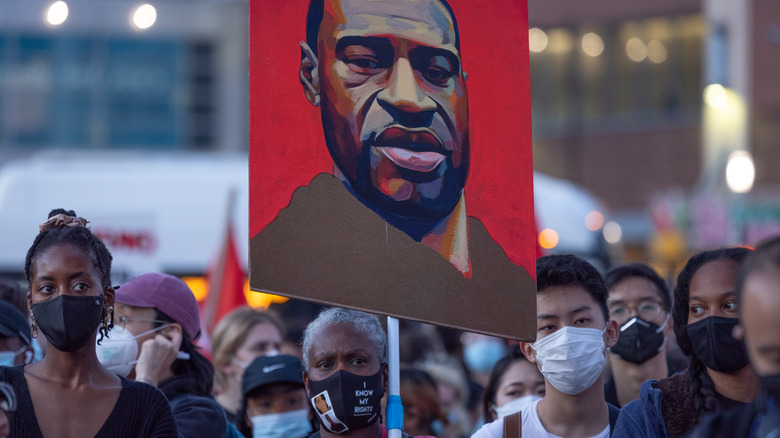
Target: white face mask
{"x": 119, "y": 353}
{"x": 515, "y": 405}
{"x": 7, "y": 358}
{"x": 284, "y": 425}
{"x": 572, "y": 358}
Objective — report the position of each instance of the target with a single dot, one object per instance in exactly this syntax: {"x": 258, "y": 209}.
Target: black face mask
{"x": 716, "y": 347}
{"x": 346, "y": 401}
{"x": 68, "y": 322}
{"x": 639, "y": 340}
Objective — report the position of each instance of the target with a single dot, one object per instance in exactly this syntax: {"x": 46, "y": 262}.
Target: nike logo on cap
{"x": 270, "y": 368}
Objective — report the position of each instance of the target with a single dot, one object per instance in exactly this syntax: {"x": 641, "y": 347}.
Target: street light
{"x": 740, "y": 172}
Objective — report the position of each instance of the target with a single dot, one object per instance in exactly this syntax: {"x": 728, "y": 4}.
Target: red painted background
{"x": 287, "y": 147}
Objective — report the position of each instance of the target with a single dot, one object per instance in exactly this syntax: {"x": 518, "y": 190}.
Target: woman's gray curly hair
{"x": 361, "y": 322}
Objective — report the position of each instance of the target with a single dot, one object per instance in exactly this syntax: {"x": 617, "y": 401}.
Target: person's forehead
{"x": 126, "y": 309}
{"x": 633, "y": 288}
{"x": 761, "y": 291}
{"x": 276, "y": 389}
{"x": 520, "y": 371}
{"x": 264, "y": 331}
{"x": 714, "y": 278}
{"x": 423, "y": 21}
{"x": 341, "y": 338}
{"x": 560, "y": 301}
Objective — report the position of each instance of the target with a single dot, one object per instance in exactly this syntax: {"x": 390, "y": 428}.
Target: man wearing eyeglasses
{"x": 639, "y": 302}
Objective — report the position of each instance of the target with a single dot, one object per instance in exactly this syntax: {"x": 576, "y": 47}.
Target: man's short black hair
{"x": 570, "y": 270}
{"x": 640, "y": 270}
{"x": 317, "y": 11}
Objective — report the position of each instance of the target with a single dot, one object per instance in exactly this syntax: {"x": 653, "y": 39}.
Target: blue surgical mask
{"x": 7, "y": 358}
{"x": 37, "y": 351}
{"x": 284, "y": 425}
{"x": 482, "y": 354}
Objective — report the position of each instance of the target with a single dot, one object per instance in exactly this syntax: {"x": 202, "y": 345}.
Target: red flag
{"x": 226, "y": 283}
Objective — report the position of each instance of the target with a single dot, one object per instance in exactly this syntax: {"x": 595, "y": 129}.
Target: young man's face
{"x": 562, "y": 306}
{"x": 394, "y": 103}
{"x": 759, "y": 317}
{"x": 636, "y": 297}
{"x": 276, "y": 398}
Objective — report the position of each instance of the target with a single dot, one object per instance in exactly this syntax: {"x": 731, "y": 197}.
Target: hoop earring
{"x": 108, "y": 317}
{"x": 34, "y": 328}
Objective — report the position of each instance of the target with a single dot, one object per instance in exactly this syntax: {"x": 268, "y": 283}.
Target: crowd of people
{"x": 616, "y": 355}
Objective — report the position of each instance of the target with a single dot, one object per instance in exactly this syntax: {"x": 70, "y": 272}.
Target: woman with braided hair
{"x": 69, "y": 393}
{"x": 719, "y": 374}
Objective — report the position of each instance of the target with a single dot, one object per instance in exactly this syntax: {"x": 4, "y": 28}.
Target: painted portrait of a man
{"x": 387, "y": 228}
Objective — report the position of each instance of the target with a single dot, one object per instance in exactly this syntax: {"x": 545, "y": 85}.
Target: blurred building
{"x": 618, "y": 106}
{"x": 618, "y": 92}
{"x": 96, "y": 74}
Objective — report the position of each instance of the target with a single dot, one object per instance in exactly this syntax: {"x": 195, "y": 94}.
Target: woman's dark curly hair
{"x": 701, "y": 388}
{"x": 80, "y": 237}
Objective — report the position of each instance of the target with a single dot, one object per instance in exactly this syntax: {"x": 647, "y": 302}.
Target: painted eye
{"x": 437, "y": 76}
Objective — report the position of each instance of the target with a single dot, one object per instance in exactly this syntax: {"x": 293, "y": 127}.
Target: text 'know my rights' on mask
{"x": 119, "y": 352}
{"x": 346, "y": 401}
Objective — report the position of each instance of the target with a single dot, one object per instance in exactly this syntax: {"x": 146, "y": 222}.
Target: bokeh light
{"x": 537, "y": 39}
{"x": 740, "y": 172}
{"x": 548, "y": 238}
{"x": 656, "y": 51}
{"x": 592, "y": 44}
{"x": 144, "y": 16}
{"x": 594, "y": 220}
{"x": 636, "y": 50}
{"x": 612, "y": 232}
{"x": 57, "y": 13}
{"x": 715, "y": 96}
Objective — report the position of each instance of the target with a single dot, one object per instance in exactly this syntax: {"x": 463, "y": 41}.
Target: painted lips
{"x": 416, "y": 151}
{"x": 417, "y": 161}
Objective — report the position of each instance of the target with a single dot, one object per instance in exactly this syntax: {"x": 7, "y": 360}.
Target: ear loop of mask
{"x": 183, "y": 355}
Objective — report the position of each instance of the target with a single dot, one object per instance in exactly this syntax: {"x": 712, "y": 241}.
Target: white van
{"x": 167, "y": 211}
{"x": 155, "y": 211}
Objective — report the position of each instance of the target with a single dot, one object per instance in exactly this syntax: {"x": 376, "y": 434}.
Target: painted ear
{"x": 309, "y": 75}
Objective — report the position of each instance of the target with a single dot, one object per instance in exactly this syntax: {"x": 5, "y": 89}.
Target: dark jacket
{"x": 664, "y": 409}
{"x": 196, "y": 416}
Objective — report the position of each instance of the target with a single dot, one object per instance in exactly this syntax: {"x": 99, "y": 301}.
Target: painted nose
{"x": 404, "y": 99}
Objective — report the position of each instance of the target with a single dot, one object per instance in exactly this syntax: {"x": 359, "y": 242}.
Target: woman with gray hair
{"x": 345, "y": 361}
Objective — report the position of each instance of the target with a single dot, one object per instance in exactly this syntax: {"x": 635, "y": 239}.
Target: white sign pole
{"x": 395, "y": 410}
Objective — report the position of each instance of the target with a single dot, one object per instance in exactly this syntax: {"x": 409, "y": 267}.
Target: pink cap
{"x": 167, "y": 294}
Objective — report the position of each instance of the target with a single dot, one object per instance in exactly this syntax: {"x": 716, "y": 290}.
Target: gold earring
{"x": 106, "y": 316}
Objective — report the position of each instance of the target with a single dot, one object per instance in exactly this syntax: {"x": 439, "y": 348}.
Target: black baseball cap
{"x": 13, "y": 324}
{"x": 271, "y": 369}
